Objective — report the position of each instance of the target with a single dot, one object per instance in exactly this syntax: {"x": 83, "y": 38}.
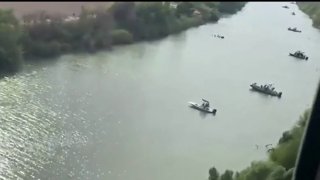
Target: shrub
{"x": 121, "y": 36}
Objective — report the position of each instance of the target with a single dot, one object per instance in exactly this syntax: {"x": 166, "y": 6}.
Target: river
{"x": 124, "y": 114}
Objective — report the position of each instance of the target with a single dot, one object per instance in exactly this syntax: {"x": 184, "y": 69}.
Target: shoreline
{"x": 312, "y": 9}
{"x": 94, "y": 31}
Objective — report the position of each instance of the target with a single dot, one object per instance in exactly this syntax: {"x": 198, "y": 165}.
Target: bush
{"x": 121, "y": 36}
{"x": 44, "y": 49}
{"x": 65, "y": 47}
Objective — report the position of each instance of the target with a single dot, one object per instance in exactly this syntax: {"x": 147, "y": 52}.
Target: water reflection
{"x": 203, "y": 114}
{"x": 266, "y": 96}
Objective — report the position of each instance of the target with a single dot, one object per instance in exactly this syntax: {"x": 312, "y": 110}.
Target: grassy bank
{"x": 313, "y": 10}
{"x": 42, "y": 35}
{"x": 281, "y": 162}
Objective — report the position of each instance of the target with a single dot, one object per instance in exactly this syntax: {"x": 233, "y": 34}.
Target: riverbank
{"x": 313, "y": 10}
{"x": 43, "y": 35}
{"x": 22, "y": 8}
{"x": 281, "y": 161}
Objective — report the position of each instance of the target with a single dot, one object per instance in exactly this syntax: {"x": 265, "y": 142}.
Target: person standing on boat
{"x": 204, "y": 104}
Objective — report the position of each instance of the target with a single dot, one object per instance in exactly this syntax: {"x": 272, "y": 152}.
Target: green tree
{"x": 124, "y": 15}
{"x": 211, "y": 4}
{"x": 227, "y": 175}
{"x": 153, "y": 20}
{"x": 236, "y": 175}
{"x": 123, "y": 23}
{"x": 213, "y": 174}
{"x": 10, "y": 45}
{"x": 258, "y": 170}
{"x": 277, "y": 174}
{"x": 102, "y": 29}
{"x": 185, "y": 8}
{"x": 230, "y": 7}
{"x": 288, "y": 174}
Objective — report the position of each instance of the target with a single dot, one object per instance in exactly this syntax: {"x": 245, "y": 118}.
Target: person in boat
{"x": 270, "y": 87}
{"x": 299, "y": 53}
{"x": 205, "y": 104}
{"x": 267, "y": 87}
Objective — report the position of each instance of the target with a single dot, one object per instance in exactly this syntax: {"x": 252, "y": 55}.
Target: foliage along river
{"x": 124, "y": 115}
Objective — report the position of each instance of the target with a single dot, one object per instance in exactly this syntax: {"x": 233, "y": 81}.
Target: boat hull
{"x": 305, "y": 57}
{"x": 259, "y": 89}
{"x": 295, "y": 30}
{"x": 199, "y": 107}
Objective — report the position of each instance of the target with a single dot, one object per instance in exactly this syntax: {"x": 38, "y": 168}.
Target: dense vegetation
{"x": 10, "y": 45}
{"x": 313, "y": 10}
{"x": 281, "y": 162}
{"x": 44, "y": 35}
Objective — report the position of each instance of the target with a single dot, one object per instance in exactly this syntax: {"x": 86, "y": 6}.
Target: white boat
{"x": 201, "y": 108}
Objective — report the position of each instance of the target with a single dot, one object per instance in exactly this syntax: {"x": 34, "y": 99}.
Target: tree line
{"x": 43, "y": 35}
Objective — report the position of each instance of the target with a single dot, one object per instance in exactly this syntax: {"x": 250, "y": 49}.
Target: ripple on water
{"x": 30, "y": 134}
